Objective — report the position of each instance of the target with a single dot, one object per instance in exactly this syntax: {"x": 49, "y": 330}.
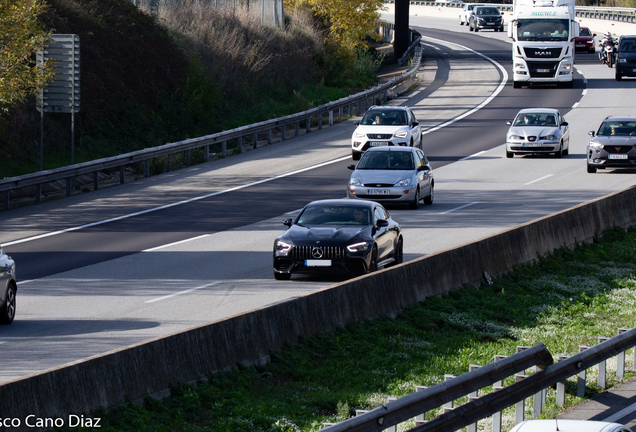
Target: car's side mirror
{"x": 356, "y": 124}
{"x": 591, "y": 133}
{"x": 509, "y": 123}
{"x": 287, "y": 222}
{"x": 351, "y": 167}
{"x": 593, "y": 34}
{"x": 423, "y": 168}
{"x": 382, "y": 223}
{"x": 415, "y": 123}
{"x": 564, "y": 123}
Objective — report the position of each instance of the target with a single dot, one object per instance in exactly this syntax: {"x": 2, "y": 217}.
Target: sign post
{"x": 63, "y": 94}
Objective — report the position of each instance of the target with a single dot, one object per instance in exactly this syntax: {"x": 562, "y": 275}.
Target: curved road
{"x": 193, "y": 246}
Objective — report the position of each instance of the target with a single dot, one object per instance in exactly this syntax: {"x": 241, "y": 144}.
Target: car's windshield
{"x": 386, "y": 160}
{"x": 618, "y": 128}
{"x": 487, "y": 11}
{"x": 542, "y": 29}
{"x": 628, "y": 45}
{"x": 334, "y": 215}
{"x": 585, "y": 32}
{"x": 384, "y": 117}
{"x": 535, "y": 119}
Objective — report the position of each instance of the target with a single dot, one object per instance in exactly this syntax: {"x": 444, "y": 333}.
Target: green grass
{"x": 564, "y": 300}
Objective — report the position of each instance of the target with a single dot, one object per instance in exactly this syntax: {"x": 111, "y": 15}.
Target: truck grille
{"x": 543, "y": 69}
{"x": 314, "y": 252}
{"x": 542, "y": 53}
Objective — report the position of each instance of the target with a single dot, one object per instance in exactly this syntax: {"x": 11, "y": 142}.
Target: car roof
{"x": 388, "y": 107}
{"x": 565, "y": 426}
{"x": 619, "y": 118}
{"x": 392, "y": 148}
{"x": 538, "y": 110}
{"x": 343, "y": 201}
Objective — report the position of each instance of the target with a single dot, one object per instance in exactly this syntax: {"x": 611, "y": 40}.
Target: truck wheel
{"x": 516, "y": 84}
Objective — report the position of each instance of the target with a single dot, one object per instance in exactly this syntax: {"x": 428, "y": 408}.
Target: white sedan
{"x": 568, "y": 426}
{"x": 538, "y": 131}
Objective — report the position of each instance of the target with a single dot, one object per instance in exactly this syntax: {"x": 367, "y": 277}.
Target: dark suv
{"x": 485, "y": 17}
{"x": 613, "y": 145}
{"x": 626, "y": 59}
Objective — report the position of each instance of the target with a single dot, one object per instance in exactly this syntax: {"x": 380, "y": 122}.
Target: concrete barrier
{"x": 132, "y": 373}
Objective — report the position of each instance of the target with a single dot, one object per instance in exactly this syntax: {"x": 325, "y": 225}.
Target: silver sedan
{"x": 538, "y": 131}
{"x": 8, "y": 289}
{"x": 400, "y": 175}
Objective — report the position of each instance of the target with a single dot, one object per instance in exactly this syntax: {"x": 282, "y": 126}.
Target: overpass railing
{"x": 546, "y": 374}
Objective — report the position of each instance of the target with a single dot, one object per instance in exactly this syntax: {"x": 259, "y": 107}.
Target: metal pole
{"x": 42, "y": 140}
{"x": 73, "y": 138}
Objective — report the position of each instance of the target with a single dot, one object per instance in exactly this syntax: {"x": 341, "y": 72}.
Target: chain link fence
{"x": 270, "y": 12}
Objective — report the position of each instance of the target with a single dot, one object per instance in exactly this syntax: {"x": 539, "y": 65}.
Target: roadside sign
{"x": 63, "y": 94}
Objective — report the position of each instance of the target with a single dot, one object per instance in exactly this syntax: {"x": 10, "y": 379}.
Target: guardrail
{"x": 285, "y": 127}
{"x": 547, "y": 374}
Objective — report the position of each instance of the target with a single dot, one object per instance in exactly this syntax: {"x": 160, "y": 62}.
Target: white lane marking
{"x": 182, "y": 292}
{"x": 176, "y": 243}
{"x": 23, "y": 282}
{"x": 539, "y": 179}
{"x": 175, "y": 204}
{"x": 584, "y": 92}
{"x": 619, "y": 415}
{"x": 484, "y": 103}
{"x": 1, "y": 342}
{"x": 459, "y": 208}
{"x": 473, "y": 155}
{"x": 575, "y": 105}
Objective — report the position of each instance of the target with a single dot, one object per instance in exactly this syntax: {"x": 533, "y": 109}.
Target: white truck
{"x": 543, "y": 34}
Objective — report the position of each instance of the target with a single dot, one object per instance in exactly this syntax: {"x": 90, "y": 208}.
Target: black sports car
{"x": 338, "y": 236}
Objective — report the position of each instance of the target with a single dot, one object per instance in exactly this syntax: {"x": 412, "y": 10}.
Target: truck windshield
{"x": 541, "y": 29}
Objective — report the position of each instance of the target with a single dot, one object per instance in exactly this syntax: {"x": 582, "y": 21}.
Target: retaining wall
{"x": 132, "y": 373}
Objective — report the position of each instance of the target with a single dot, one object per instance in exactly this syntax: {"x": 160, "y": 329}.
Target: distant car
{"x": 612, "y": 146}
{"x": 538, "y": 131}
{"x": 338, "y": 236}
{"x": 585, "y": 41}
{"x": 464, "y": 14}
{"x": 568, "y": 426}
{"x": 9, "y": 289}
{"x": 385, "y": 126}
{"x": 626, "y": 57}
{"x": 485, "y": 17}
{"x": 393, "y": 175}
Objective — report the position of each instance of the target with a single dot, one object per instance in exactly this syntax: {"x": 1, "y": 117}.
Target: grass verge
{"x": 563, "y": 300}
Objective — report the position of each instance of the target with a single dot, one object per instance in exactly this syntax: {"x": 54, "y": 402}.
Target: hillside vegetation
{"x": 190, "y": 71}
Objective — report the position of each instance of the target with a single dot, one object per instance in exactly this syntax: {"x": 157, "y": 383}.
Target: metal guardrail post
{"x": 420, "y": 419}
{"x": 471, "y": 397}
{"x": 497, "y": 386}
{"x": 122, "y": 175}
{"x": 96, "y": 179}
{"x": 448, "y": 406}
{"x": 308, "y": 125}
{"x": 224, "y": 148}
{"x": 560, "y": 390}
{"x": 359, "y": 110}
{"x": 255, "y": 139}
{"x": 601, "y": 379}
{"x": 296, "y": 128}
{"x": 206, "y": 153}
{"x": 620, "y": 358}
{"x": 581, "y": 377}
{"x": 269, "y": 136}
{"x": 282, "y": 132}
{"x": 330, "y": 117}
{"x": 240, "y": 144}
{"x": 319, "y": 121}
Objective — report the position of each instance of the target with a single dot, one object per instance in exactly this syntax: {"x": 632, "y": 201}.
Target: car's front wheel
{"x": 399, "y": 252}
{"x": 373, "y": 265}
{"x": 509, "y": 154}
{"x": 415, "y": 204}
{"x": 591, "y": 169}
{"x": 7, "y": 311}
{"x": 355, "y": 155}
{"x": 282, "y": 276}
{"x": 559, "y": 154}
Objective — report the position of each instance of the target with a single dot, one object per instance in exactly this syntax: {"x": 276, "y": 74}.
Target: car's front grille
{"x": 317, "y": 252}
{"x": 543, "y": 69}
{"x": 379, "y": 136}
{"x": 378, "y": 184}
{"x": 617, "y": 149}
{"x": 542, "y": 53}
{"x": 531, "y": 149}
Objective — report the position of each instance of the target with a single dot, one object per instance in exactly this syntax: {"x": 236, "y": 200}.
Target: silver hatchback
{"x": 8, "y": 289}
{"x": 400, "y": 175}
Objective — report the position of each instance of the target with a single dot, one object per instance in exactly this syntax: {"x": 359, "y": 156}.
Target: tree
{"x": 21, "y": 36}
{"x": 349, "y": 21}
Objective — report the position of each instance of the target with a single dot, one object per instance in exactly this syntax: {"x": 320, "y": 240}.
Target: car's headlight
{"x": 620, "y": 60}
{"x": 401, "y": 134}
{"x": 520, "y": 66}
{"x": 548, "y": 137}
{"x": 594, "y": 144}
{"x": 404, "y": 182}
{"x": 566, "y": 66}
{"x": 358, "y": 247}
{"x": 515, "y": 137}
{"x": 282, "y": 248}
{"x": 359, "y": 134}
{"x": 355, "y": 182}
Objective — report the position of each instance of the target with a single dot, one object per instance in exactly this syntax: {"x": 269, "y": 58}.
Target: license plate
{"x": 378, "y": 191}
{"x": 379, "y": 143}
{"x": 634, "y": 70}
{"x": 531, "y": 144}
{"x": 614, "y": 156}
{"x": 490, "y": 23}
{"x": 318, "y": 263}
{"x": 543, "y": 70}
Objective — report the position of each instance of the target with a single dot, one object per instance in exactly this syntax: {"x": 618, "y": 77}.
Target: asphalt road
{"x": 107, "y": 269}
